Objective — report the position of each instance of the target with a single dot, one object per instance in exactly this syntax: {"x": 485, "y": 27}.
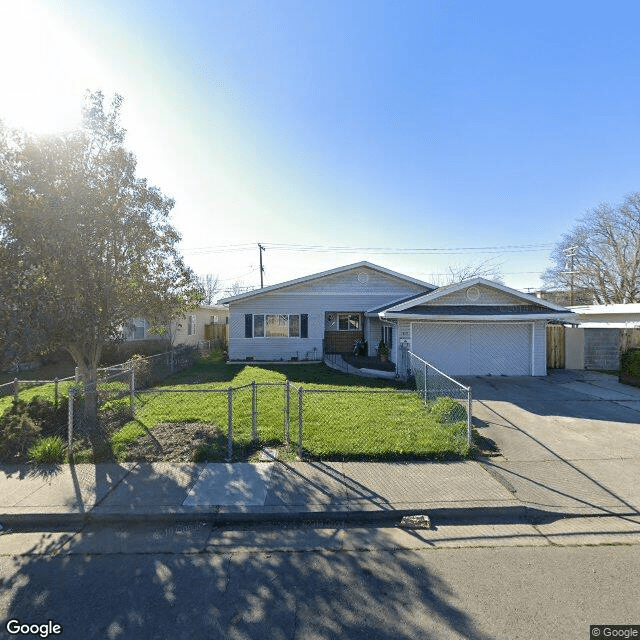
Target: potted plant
{"x": 383, "y": 351}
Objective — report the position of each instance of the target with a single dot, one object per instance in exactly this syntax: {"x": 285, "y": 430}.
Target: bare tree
{"x": 601, "y": 254}
{"x": 489, "y": 269}
{"x": 211, "y": 287}
{"x": 236, "y": 289}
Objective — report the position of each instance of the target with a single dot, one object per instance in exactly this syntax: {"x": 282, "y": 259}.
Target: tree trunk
{"x": 88, "y": 369}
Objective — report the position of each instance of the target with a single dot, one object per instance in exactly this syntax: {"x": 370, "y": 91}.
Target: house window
{"x": 280, "y": 325}
{"x": 138, "y": 330}
{"x": 258, "y": 326}
{"x": 192, "y": 326}
{"x": 277, "y": 326}
{"x": 294, "y": 326}
{"x": 348, "y": 322}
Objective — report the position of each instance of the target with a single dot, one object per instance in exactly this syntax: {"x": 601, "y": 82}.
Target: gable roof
{"x": 324, "y": 274}
{"x": 441, "y": 292}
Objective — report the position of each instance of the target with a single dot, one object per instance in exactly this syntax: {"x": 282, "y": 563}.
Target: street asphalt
{"x": 566, "y": 473}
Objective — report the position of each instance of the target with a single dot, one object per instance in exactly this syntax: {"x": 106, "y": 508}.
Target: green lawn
{"x": 28, "y": 391}
{"x": 344, "y": 417}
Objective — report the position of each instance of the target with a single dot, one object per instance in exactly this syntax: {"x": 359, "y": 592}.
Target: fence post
{"x": 55, "y": 392}
{"x": 287, "y": 412}
{"x": 254, "y": 411}
{"x": 16, "y": 390}
{"x": 230, "y": 424}
{"x": 300, "y": 414}
{"x": 425, "y": 383}
{"x": 132, "y": 391}
{"x": 72, "y": 395}
{"x": 77, "y": 374}
{"x": 469, "y": 416}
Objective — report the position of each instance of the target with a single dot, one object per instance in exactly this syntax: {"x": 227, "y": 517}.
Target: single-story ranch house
{"x": 476, "y": 327}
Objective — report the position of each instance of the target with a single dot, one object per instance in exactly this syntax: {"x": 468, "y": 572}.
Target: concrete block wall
{"x": 602, "y": 349}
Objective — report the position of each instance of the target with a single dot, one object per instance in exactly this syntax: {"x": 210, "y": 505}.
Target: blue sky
{"x": 441, "y": 126}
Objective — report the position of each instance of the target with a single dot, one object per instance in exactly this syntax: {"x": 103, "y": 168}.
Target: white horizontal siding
{"x": 315, "y": 305}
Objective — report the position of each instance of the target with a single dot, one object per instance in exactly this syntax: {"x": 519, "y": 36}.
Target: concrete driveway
{"x": 570, "y": 440}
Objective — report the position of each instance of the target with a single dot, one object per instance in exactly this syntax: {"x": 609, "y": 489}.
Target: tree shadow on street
{"x": 193, "y": 581}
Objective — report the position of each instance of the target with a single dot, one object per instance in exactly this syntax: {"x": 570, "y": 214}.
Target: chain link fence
{"x": 237, "y": 423}
{"x": 432, "y": 420}
{"x": 25, "y": 390}
{"x": 31, "y": 411}
{"x": 232, "y": 423}
{"x": 83, "y": 414}
{"x": 150, "y": 370}
{"x": 431, "y": 384}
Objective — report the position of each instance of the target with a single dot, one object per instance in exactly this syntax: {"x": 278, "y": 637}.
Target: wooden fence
{"x": 555, "y": 346}
{"x": 218, "y": 333}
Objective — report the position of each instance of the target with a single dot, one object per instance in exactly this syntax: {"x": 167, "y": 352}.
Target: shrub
{"x": 51, "y": 420}
{"x": 18, "y": 432}
{"x": 48, "y": 450}
{"x": 630, "y": 363}
{"x": 25, "y": 422}
{"x": 141, "y": 370}
{"x": 447, "y": 410}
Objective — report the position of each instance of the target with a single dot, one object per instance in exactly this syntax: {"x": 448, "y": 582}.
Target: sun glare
{"x": 45, "y": 71}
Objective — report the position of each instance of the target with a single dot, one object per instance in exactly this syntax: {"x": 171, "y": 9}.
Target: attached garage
{"x": 465, "y": 348}
{"x": 474, "y": 328}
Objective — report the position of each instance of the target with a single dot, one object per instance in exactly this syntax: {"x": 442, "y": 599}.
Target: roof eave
{"x": 528, "y": 317}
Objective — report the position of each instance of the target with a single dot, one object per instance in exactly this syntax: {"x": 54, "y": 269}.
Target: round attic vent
{"x": 363, "y": 278}
{"x": 473, "y": 293}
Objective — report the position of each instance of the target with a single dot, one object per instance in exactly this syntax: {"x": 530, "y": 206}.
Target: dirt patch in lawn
{"x": 176, "y": 442}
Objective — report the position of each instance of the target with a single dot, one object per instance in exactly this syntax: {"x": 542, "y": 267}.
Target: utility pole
{"x": 571, "y": 253}
{"x": 261, "y": 249}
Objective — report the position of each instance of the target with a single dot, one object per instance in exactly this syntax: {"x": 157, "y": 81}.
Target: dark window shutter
{"x": 248, "y": 325}
{"x": 304, "y": 325}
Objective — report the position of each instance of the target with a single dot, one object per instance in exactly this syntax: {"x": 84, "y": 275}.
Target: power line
{"x": 523, "y": 248}
{"x": 323, "y": 248}
{"x": 223, "y": 248}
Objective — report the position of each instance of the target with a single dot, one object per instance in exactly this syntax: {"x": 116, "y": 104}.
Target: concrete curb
{"x": 480, "y": 515}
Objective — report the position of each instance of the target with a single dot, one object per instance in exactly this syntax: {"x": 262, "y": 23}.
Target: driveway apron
{"x": 569, "y": 440}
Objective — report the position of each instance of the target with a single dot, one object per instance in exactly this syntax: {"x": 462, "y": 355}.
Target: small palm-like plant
{"x": 48, "y": 450}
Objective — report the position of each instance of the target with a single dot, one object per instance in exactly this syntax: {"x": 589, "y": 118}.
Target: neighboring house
{"x": 566, "y": 298}
{"x": 599, "y": 334}
{"x": 475, "y": 327}
{"x": 188, "y": 330}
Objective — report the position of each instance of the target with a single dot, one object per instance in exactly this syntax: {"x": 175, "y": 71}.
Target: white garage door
{"x": 474, "y": 349}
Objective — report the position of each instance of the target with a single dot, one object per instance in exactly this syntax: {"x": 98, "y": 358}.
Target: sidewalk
{"x": 462, "y": 493}
{"x": 566, "y": 474}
